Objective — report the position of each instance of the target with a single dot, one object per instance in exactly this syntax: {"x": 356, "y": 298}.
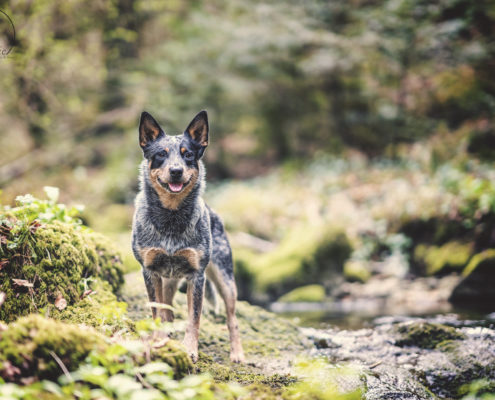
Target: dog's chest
{"x": 181, "y": 263}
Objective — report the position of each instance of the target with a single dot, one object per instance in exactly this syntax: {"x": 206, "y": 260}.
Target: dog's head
{"x": 173, "y": 161}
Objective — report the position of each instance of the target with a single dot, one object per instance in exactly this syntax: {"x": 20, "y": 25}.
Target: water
{"x": 324, "y": 315}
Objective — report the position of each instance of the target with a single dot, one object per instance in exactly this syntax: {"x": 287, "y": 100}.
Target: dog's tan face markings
{"x": 169, "y": 200}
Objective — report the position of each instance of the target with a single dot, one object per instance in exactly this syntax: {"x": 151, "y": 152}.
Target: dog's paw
{"x": 237, "y": 357}
{"x": 194, "y": 357}
{"x": 191, "y": 346}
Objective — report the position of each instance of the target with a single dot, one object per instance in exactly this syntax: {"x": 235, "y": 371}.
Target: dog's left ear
{"x": 197, "y": 130}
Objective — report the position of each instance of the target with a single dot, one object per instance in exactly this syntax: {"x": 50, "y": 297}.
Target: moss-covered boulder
{"x": 357, "y": 271}
{"x": 99, "y": 309}
{"x": 306, "y": 255}
{"x": 440, "y": 260}
{"x": 308, "y": 294}
{"x": 477, "y": 286}
{"x": 44, "y": 347}
{"x": 426, "y": 335}
{"x": 51, "y": 264}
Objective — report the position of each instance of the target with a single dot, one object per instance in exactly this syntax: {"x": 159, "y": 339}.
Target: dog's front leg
{"x": 195, "y": 292}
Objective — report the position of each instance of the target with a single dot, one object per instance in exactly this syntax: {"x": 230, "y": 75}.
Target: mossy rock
{"x": 45, "y": 262}
{"x": 481, "y": 143}
{"x": 476, "y": 288}
{"x": 307, "y": 255}
{"x": 426, "y": 335}
{"x": 434, "y": 231}
{"x": 174, "y": 354}
{"x": 38, "y": 345}
{"x": 440, "y": 260}
{"x": 357, "y": 271}
{"x": 100, "y": 309}
{"x": 308, "y": 293}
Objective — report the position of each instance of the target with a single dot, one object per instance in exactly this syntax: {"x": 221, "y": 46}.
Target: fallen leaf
{"x": 34, "y": 226}
{"x": 22, "y": 282}
{"x": 3, "y": 263}
{"x": 9, "y": 370}
{"x": 2, "y": 298}
{"x": 87, "y": 293}
{"x": 60, "y": 302}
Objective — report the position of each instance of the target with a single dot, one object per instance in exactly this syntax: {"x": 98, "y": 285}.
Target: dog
{"x": 175, "y": 235}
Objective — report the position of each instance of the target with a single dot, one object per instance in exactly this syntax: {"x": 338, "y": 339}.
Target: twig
{"x": 61, "y": 365}
{"x": 141, "y": 379}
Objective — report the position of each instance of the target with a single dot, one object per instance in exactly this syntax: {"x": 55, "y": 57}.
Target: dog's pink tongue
{"x": 175, "y": 187}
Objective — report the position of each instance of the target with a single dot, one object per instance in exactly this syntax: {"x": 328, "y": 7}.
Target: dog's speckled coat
{"x": 175, "y": 234}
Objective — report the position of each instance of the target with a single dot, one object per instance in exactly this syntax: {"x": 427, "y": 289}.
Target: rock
{"x": 424, "y": 369}
{"x": 426, "y": 335}
{"x": 476, "y": 290}
{"x": 357, "y": 271}
{"x": 306, "y": 255}
{"x": 38, "y": 345}
{"x": 308, "y": 294}
{"x": 441, "y": 260}
{"x": 50, "y": 261}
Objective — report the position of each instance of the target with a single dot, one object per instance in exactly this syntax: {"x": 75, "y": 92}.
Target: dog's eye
{"x": 161, "y": 154}
{"x": 189, "y": 155}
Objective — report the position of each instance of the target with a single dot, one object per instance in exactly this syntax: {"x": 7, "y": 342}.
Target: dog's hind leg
{"x": 169, "y": 287}
{"x": 225, "y": 284}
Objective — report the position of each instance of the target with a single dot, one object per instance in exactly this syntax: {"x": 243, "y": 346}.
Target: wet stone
{"x": 390, "y": 369}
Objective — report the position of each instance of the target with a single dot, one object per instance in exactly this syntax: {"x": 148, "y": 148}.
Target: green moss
{"x": 173, "y": 353}
{"x": 307, "y": 254}
{"x": 241, "y": 373}
{"x": 452, "y": 256}
{"x": 99, "y": 309}
{"x": 356, "y": 270}
{"x": 308, "y": 293}
{"x": 426, "y": 335}
{"x": 52, "y": 261}
{"x": 476, "y": 288}
{"x": 33, "y": 344}
{"x": 484, "y": 257}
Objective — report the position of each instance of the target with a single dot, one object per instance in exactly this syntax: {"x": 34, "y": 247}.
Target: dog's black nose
{"x": 176, "y": 173}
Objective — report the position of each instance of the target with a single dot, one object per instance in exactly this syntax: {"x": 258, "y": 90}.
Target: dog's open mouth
{"x": 173, "y": 187}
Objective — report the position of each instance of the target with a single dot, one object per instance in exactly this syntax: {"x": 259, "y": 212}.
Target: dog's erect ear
{"x": 198, "y": 129}
{"x": 149, "y": 130}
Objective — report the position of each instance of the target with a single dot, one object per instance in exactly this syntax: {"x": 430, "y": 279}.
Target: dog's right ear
{"x": 149, "y": 130}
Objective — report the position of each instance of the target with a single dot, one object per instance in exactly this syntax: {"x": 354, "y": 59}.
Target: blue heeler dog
{"x": 175, "y": 234}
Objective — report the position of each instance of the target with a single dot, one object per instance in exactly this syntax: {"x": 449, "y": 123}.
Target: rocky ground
{"x": 398, "y": 358}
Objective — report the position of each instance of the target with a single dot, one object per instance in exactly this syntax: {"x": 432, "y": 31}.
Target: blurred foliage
{"x": 380, "y": 218}
{"x": 402, "y": 90}
{"x": 319, "y": 76}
